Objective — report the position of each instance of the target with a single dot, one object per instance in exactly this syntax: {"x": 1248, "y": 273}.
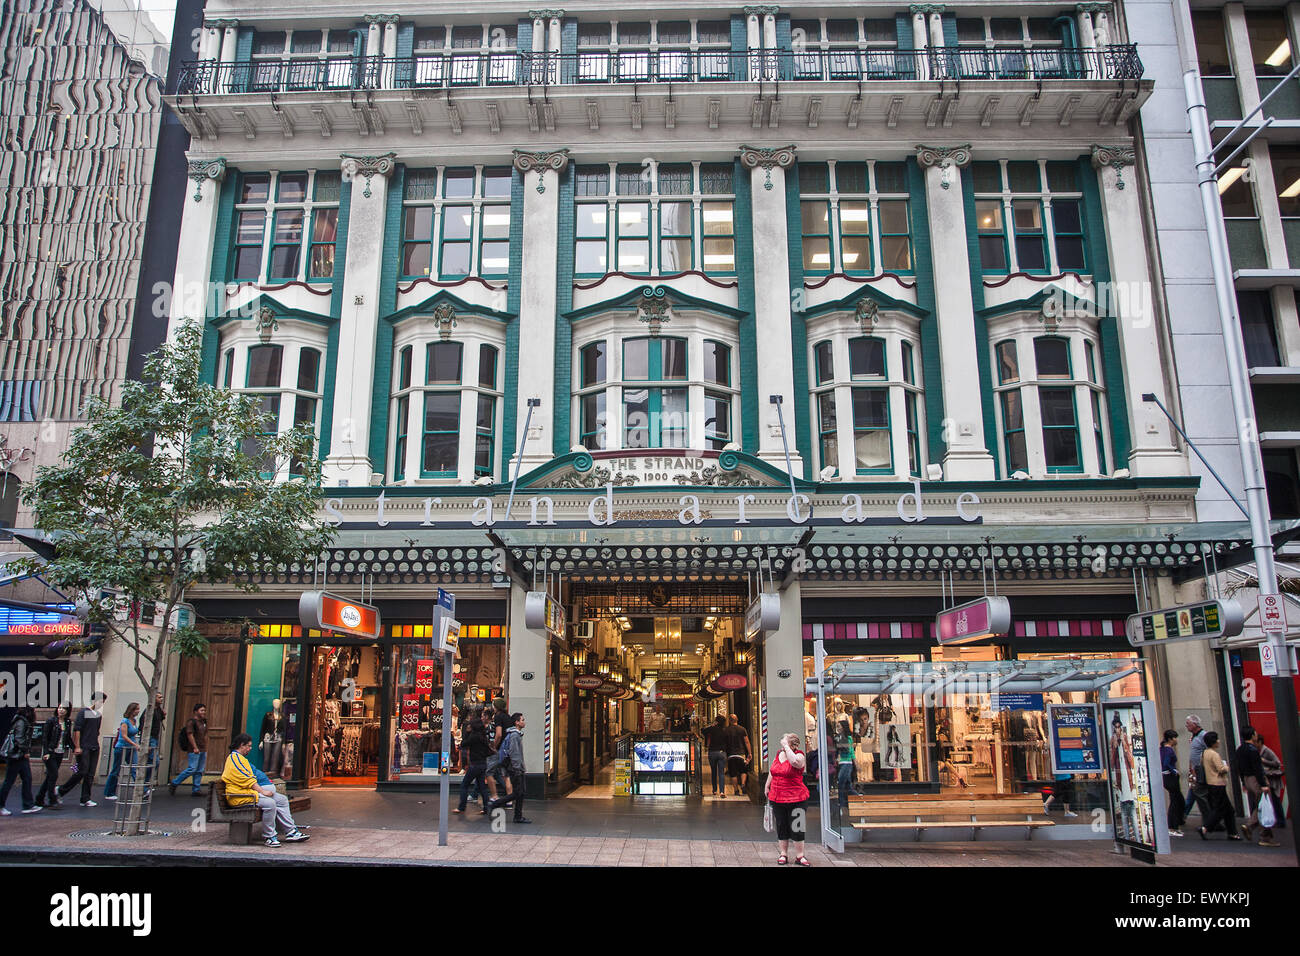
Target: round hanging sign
{"x": 730, "y": 682}
{"x": 588, "y": 681}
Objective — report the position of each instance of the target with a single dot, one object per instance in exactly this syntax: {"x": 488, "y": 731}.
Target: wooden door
{"x": 215, "y": 683}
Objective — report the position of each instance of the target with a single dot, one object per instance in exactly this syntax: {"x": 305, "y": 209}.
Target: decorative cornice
{"x": 201, "y": 169}
{"x": 928, "y": 8}
{"x": 1092, "y": 8}
{"x": 368, "y": 166}
{"x": 958, "y": 156}
{"x": 1117, "y": 156}
{"x": 221, "y": 24}
{"x": 545, "y": 14}
{"x": 381, "y": 18}
{"x": 760, "y": 157}
{"x": 767, "y": 10}
{"x": 556, "y": 159}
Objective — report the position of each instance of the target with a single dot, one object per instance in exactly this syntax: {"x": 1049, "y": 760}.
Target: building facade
{"x": 658, "y": 309}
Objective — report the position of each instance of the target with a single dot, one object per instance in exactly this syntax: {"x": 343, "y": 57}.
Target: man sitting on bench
{"x": 243, "y": 787}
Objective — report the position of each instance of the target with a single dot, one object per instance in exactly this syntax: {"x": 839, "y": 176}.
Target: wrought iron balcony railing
{"x": 451, "y": 70}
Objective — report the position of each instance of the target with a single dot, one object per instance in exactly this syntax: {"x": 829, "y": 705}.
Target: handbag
{"x": 9, "y": 748}
{"x": 769, "y": 820}
{"x": 1267, "y": 818}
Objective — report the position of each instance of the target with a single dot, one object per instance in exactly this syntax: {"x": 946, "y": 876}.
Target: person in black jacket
{"x": 474, "y": 744}
{"x": 1250, "y": 769}
{"x": 56, "y": 739}
{"x": 17, "y": 762}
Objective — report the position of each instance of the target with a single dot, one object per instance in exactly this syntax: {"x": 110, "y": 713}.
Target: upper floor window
{"x": 304, "y": 59}
{"x": 1029, "y": 216}
{"x": 666, "y": 392}
{"x": 286, "y": 226}
{"x": 464, "y": 55}
{"x": 1050, "y": 403}
{"x": 866, "y": 403}
{"x": 1270, "y": 42}
{"x": 1211, "y": 43}
{"x": 843, "y": 48}
{"x": 999, "y": 32}
{"x": 286, "y": 381}
{"x": 1285, "y": 161}
{"x": 853, "y": 216}
{"x": 456, "y": 222}
{"x": 446, "y": 405}
{"x": 655, "y": 219}
{"x": 663, "y": 50}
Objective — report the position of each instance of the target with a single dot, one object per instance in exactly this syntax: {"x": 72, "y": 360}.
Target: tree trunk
{"x": 131, "y": 816}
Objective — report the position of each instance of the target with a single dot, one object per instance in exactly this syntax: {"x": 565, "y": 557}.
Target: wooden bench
{"x": 243, "y": 819}
{"x": 937, "y": 812}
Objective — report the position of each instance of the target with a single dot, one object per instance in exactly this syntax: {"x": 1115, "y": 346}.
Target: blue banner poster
{"x": 1075, "y": 739}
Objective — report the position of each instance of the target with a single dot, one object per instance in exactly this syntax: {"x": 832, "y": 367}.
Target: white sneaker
{"x": 1175, "y": 832}
{"x": 114, "y": 797}
{"x": 89, "y": 803}
{"x": 6, "y": 812}
{"x": 1070, "y": 813}
{"x": 32, "y": 810}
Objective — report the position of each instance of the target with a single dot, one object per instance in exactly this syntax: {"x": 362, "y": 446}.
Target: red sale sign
{"x": 424, "y": 671}
{"x": 410, "y": 712}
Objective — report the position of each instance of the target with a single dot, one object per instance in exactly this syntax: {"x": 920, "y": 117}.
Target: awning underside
{"x": 938, "y": 679}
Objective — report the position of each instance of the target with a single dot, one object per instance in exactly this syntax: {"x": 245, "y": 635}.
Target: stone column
{"x": 1130, "y": 302}
{"x": 229, "y": 39}
{"x": 553, "y": 29}
{"x": 191, "y": 290}
{"x": 349, "y": 461}
{"x": 936, "y": 28}
{"x": 1270, "y": 216}
{"x": 1243, "y": 61}
{"x": 967, "y": 457}
{"x": 920, "y": 40}
{"x": 374, "y": 37}
{"x": 783, "y": 654}
{"x": 537, "y": 301}
{"x": 1083, "y": 17}
{"x": 390, "y": 35}
{"x": 1287, "y": 319}
{"x": 526, "y": 653}
{"x": 1101, "y": 26}
{"x": 210, "y": 41}
{"x": 772, "y": 300}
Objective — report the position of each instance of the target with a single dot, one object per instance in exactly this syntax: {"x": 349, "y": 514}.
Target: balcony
{"x": 483, "y": 95}
{"x": 436, "y": 71}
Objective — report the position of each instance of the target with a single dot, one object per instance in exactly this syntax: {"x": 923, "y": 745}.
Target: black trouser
{"x": 87, "y": 763}
{"x": 16, "y": 767}
{"x": 784, "y": 816}
{"x": 516, "y": 795}
{"x": 476, "y": 772}
{"x": 1221, "y": 811}
{"x": 1177, "y": 808}
{"x": 51, "y": 782}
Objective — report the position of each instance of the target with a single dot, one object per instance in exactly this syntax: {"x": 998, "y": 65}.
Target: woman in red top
{"x": 786, "y": 792}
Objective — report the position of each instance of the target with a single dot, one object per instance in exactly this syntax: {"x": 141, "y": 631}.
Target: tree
{"x": 180, "y": 484}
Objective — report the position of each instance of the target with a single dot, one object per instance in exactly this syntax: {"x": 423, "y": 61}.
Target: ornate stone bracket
{"x": 381, "y": 18}
{"x": 867, "y": 314}
{"x": 202, "y": 169}
{"x": 753, "y": 157}
{"x": 926, "y": 8}
{"x": 221, "y": 24}
{"x": 545, "y": 14}
{"x": 266, "y": 324}
{"x": 654, "y": 309}
{"x": 766, "y": 10}
{"x": 444, "y": 317}
{"x": 556, "y": 159}
{"x": 1092, "y": 8}
{"x": 1117, "y": 156}
{"x": 368, "y": 166}
{"x": 947, "y": 158}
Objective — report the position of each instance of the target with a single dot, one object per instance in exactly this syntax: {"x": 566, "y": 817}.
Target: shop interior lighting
{"x": 1230, "y": 177}
{"x": 1281, "y": 56}
{"x": 1291, "y": 191}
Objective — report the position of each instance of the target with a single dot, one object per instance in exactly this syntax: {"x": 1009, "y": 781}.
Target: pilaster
{"x": 190, "y": 282}
{"x": 1243, "y": 61}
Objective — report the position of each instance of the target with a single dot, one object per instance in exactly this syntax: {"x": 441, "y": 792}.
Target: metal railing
{"x": 452, "y": 70}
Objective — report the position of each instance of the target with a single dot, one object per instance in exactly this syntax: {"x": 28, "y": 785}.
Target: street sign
{"x": 1272, "y": 614}
{"x": 543, "y": 613}
{"x": 449, "y": 635}
{"x": 324, "y": 611}
{"x": 762, "y": 616}
{"x": 1186, "y": 622}
{"x": 1268, "y": 660}
{"x": 987, "y": 617}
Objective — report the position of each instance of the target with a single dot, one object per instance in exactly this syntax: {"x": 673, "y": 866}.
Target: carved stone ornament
{"x": 1092, "y": 8}
{"x": 556, "y": 159}
{"x": 381, "y": 18}
{"x": 222, "y": 24}
{"x": 444, "y": 317}
{"x": 867, "y": 314}
{"x": 201, "y": 169}
{"x": 368, "y": 166}
{"x": 598, "y": 477}
{"x": 754, "y": 157}
{"x": 654, "y": 308}
{"x": 761, "y": 11}
{"x": 1117, "y": 156}
{"x": 926, "y": 8}
{"x": 545, "y": 14}
{"x": 266, "y": 324}
{"x": 947, "y": 158}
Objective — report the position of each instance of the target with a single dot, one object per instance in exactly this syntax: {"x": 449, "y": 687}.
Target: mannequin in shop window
{"x": 272, "y": 737}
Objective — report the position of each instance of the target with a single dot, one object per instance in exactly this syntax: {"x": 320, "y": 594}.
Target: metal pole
{"x": 823, "y": 759}
{"x": 1252, "y": 466}
{"x": 785, "y": 444}
{"x": 1150, "y": 397}
{"x": 444, "y": 771}
{"x": 528, "y": 420}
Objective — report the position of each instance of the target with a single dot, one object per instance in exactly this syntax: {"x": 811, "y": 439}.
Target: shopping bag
{"x": 769, "y": 821}
{"x": 1267, "y": 818}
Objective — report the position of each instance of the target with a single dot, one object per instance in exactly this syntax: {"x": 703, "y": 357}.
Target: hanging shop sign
{"x": 728, "y": 682}
{"x": 1186, "y": 622}
{"x": 608, "y": 688}
{"x": 56, "y": 622}
{"x": 763, "y": 615}
{"x": 324, "y": 611}
{"x": 543, "y": 613}
{"x": 1075, "y": 741}
{"x": 1137, "y": 799}
{"x": 987, "y": 617}
{"x": 588, "y": 681}
{"x": 449, "y": 636}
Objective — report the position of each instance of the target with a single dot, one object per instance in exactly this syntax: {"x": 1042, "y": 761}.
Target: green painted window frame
{"x": 656, "y": 384}
{"x": 295, "y": 245}
{"x": 887, "y": 428}
{"x": 402, "y": 412}
{"x": 1037, "y": 236}
{"x": 824, "y": 348}
{"x": 912, "y": 420}
{"x": 1069, "y": 359}
{"x": 1080, "y": 234}
{"x": 1048, "y": 190}
{"x": 827, "y": 435}
{"x": 236, "y": 274}
{"x": 809, "y": 237}
{"x": 865, "y": 233}
{"x": 717, "y": 438}
{"x": 425, "y": 433}
{"x": 228, "y": 368}
{"x": 724, "y": 350}
{"x": 248, "y": 371}
{"x": 428, "y": 191}
{"x": 987, "y": 235}
{"x": 872, "y": 340}
{"x": 665, "y": 236}
{"x": 716, "y": 237}
{"x": 646, "y": 239}
{"x": 1096, "y": 392}
{"x": 999, "y": 350}
{"x": 593, "y": 240}
{"x": 484, "y": 433}
{"x": 316, "y": 248}
{"x": 593, "y": 434}
{"x": 428, "y": 363}
{"x": 1073, "y": 429}
{"x": 1008, "y": 432}
{"x": 465, "y": 242}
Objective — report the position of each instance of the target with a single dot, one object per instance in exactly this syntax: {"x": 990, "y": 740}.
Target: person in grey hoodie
{"x": 510, "y": 757}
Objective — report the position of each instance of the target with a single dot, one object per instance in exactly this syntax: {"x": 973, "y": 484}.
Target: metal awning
{"x": 935, "y": 679}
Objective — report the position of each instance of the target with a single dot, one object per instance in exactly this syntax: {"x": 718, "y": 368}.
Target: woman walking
{"x": 1216, "y": 778}
{"x": 16, "y": 747}
{"x": 786, "y": 792}
{"x": 1169, "y": 774}
{"x": 127, "y": 733}
{"x": 56, "y": 736}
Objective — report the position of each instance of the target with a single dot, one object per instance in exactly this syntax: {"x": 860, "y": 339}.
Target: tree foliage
{"x": 180, "y": 484}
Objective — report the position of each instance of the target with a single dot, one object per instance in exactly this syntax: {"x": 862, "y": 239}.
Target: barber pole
{"x": 762, "y": 719}
{"x": 546, "y": 735}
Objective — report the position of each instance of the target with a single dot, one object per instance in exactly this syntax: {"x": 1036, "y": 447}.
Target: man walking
{"x": 510, "y": 758}
{"x": 474, "y": 745}
{"x": 195, "y": 737}
{"x": 1199, "y": 794}
{"x": 1250, "y": 770}
{"x": 739, "y": 754}
{"x": 85, "y": 748}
